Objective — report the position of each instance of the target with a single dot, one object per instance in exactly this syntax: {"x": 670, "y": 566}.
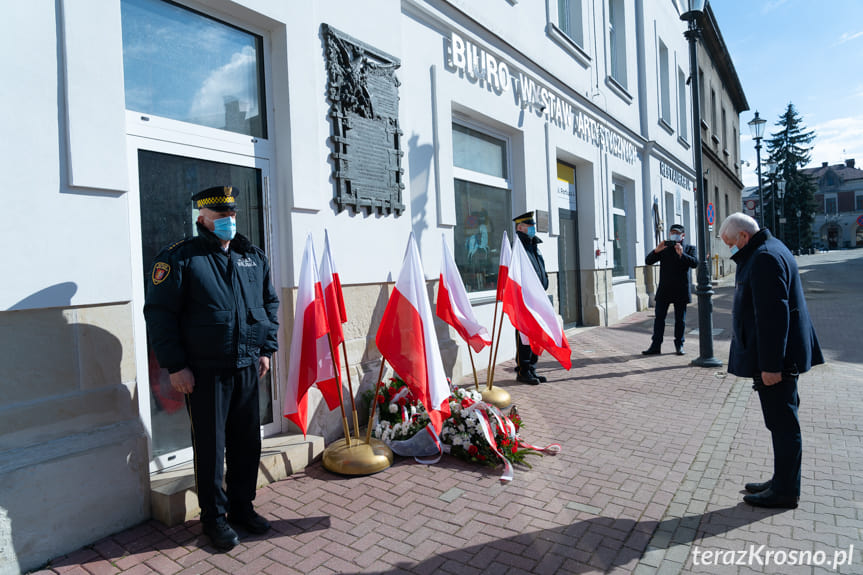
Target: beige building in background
{"x": 722, "y": 101}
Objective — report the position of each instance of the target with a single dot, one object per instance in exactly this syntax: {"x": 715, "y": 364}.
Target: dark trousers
{"x": 525, "y": 359}
{"x": 225, "y": 416}
{"x": 779, "y": 404}
{"x": 679, "y": 322}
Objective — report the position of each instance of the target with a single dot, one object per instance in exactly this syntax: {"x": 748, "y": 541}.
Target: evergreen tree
{"x": 789, "y": 149}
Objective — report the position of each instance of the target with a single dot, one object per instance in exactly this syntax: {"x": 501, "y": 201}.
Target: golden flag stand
{"x": 496, "y": 396}
{"x": 355, "y": 456}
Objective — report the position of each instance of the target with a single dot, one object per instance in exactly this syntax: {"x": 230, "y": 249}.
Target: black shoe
{"x": 528, "y": 379}
{"x": 220, "y": 533}
{"x": 251, "y": 521}
{"x": 768, "y": 498}
{"x": 680, "y": 351}
{"x": 652, "y": 350}
{"x": 541, "y": 378}
{"x": 758, "y": 487}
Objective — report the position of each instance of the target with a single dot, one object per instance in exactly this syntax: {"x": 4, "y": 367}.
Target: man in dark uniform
{"x": 675, "y": 259}
{"x": 212, "y": 322}
{"x": 772, "y": 342}
{"x": 525, "y": 231}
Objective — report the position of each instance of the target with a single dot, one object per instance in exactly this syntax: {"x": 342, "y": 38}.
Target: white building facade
{"x": 122, "y": 109}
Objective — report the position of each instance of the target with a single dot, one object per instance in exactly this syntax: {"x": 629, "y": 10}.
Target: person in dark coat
{"x": 525, "y": 359}
{"x": 212, "y": 322}
{"x": 675, "y": 259}
{"x": 773, "y": 342}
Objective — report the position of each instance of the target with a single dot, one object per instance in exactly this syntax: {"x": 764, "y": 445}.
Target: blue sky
{"x": 807, "y": 52}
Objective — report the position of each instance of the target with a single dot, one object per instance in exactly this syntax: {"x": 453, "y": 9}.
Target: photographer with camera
{"x": 675, "y": 286}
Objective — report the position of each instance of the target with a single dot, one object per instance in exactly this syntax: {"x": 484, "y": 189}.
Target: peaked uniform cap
{"x": 219, "y": 198}
{"x": 525, "y": 218}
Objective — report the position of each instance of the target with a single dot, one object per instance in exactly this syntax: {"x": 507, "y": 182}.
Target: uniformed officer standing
{"x": 212, "y": 321}
{"x": 525, "y": 230}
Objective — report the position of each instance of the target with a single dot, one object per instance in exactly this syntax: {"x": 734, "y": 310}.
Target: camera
{"x": 669, "y": 243}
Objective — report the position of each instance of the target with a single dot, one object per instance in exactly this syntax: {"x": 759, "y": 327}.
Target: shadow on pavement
{"x": 599, "y": 543}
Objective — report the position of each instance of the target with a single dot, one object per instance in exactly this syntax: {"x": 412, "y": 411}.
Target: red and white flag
{"x": 453, "y": 306}
{"x": 311, "y": 362}
{"x": 503, "y": 266}
{"x": 530, "y": 311}
{"x": 406, "y": 338}
{"x": 334, "y": 301}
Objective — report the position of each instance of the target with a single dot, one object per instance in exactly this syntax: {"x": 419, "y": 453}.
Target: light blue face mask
{"x": 675, "y": 237}
{"x": 733, "y": 249}
{"x": 531, "y": 231}
{"x": 225, "y": 228}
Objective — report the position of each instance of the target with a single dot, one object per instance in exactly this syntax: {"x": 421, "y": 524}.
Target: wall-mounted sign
{"x": 481, "y": 67}
{"x": 366, "y": 138}
{"x": 673, "y": 175}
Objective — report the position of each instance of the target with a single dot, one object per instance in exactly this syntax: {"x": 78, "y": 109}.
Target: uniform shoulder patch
{"x": 161, "y": 270}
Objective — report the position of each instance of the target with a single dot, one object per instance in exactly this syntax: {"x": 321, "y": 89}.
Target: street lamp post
{"x": 704, "y": 288}
{"x": 771, "y": 173}
{"x": 756, "y": 126}
{"x": 799, "y": 243}
{"x": 780, "y": 193}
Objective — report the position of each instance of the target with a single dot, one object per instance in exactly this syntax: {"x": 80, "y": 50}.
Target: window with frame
{"x": 724, "y": 131}
{"x": 734, "y": 145}
{"x": 483, "y": 205}
{"x": 682, "y": 114}
{"x": 620, "y": 243}
{"x": 713, "y": 110}
{"x": 858, "y": 202}
{"x": 830, "y": 205}
{"x": 701, "y": 87}
{"x": 570, "y": 20}
{"x": 664, "y": 84}
{"x": 186, "y": 66}
{"x": 617, "y": 40}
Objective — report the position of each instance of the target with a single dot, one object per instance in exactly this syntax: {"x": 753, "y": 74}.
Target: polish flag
{"x": 406, "y": 338}
{"x": 311, "y": 362}
{"x": 453, "y": 306}
{"x": 334, "y": 301}
{"x": 503, "y": 266}
{"x": 530, "y": 311}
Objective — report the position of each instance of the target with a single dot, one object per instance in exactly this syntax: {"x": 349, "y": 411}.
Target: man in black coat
{"x": 212, "y": 321}
{"x": 772, "y": 342}
{"x": 675, "y": 259}
{"x": 525, "y": 231}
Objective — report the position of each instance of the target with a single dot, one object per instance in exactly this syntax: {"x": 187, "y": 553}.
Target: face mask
{"x": 531, "y": 231}
{"x": 225, "y": 228}
{"x": 675, "y": 237}
{"x": 733, "y": 249}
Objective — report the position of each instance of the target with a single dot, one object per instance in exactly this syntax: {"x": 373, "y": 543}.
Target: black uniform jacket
{"x": 531, "y": 246}
{"x": 771, "y": 327}
{"x": 675, "y": 283}
{"x": 206, "y": 308}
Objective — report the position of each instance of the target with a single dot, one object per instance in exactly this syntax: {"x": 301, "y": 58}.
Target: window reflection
{"x": 185, "y": 66}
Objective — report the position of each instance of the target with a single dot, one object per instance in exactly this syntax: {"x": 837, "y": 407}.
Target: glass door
{"x": 167, "y": 177}
{"x": 568, "y": 277}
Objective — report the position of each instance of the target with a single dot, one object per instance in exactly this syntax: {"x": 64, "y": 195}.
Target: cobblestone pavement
{"x": 649, "y": 480}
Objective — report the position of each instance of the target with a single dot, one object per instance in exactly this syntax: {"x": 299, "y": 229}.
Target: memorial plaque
{"x": 364, "y": 114}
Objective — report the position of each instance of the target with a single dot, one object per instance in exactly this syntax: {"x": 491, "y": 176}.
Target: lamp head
{"x": 756, "y": 126}
{"x": 695, "y": 9}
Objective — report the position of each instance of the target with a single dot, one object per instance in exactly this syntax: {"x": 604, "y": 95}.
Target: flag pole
{"x": 494, "y": 360}
{"x": 475, "y": 380}
{"x": 341, "y": 397}
{"x": 490, "y": 359}
{"x": 375, "y": 402}
{"x": 351, "y": 390}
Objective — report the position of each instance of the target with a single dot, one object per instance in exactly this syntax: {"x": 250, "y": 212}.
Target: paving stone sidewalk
{"x": 654, "y": 455}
